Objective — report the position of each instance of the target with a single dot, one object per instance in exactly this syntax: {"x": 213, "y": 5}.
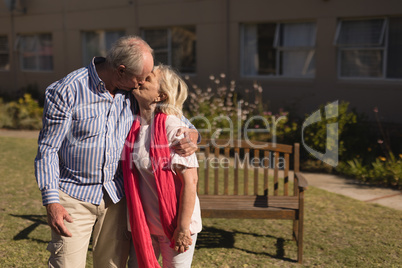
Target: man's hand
{"x": 182, "y": 240}
{"x": 56, "y": 214}
{"x": 187, "y": 145}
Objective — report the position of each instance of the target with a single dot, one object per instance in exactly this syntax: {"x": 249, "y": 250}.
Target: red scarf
{"x": 168, "y": 189}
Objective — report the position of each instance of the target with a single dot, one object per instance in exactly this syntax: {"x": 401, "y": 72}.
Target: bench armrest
{"x": 302, "y": 182}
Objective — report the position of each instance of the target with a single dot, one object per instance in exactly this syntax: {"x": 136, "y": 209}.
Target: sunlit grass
{"x": 339, "y": 231}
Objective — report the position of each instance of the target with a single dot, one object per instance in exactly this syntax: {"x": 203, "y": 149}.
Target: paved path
{"x": 332, "y": 183}
{"x": 19, "y": 133}
{"x": 355, "y": 189}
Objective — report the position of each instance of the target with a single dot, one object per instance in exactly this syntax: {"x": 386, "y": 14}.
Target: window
{"x": 4, "y": 54}
{"x": 174, "y": 46}
{"x": 36, "y": 52}
{"x": 279, "y": 49}
{"x": 370, "y": 48}
{"x": 97, "y": 43}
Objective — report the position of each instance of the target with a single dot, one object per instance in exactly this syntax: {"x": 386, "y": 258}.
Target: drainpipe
{"x": 227, "y": 22}
{"x": 15, "y": 50}
{"x": 65, "y": 37}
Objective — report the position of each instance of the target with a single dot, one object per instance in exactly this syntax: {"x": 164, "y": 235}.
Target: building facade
{"x": 302, "y": 53}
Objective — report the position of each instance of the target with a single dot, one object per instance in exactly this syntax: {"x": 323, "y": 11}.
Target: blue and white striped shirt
{"x": 80, "y": 144}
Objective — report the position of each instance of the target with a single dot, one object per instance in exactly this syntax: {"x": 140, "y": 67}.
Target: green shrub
{"x": 22, "y": 114}
{"x": 383, "y": 171}
{"x": 354, "y": 168}
{"x": 315, "y": 135}
{"x": 5, "y": 119}
{"x": 388, "y": 171}
{"x": 224, "y": 111}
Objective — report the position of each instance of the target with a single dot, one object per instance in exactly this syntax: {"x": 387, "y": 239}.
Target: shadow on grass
{"x": 211, "y": 237}
{"x": 36, "y": 220}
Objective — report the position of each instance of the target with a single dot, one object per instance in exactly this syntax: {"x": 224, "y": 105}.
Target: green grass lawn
{"x": 339, "y": 231}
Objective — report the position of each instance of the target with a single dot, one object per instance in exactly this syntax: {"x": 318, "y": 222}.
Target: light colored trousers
{"x": 110, "y": 238}
{"x": 170, "y": 257}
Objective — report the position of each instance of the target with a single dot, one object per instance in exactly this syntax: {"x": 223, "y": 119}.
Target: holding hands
{"x": 182, "y": 240}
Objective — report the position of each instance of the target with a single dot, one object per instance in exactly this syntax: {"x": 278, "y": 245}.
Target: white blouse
{"x": 148, "y": 190}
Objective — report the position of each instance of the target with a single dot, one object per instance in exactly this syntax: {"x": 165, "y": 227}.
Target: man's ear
{"x": 121, "y": 69}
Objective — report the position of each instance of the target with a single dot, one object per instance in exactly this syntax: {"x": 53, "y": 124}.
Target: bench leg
{"x": 300, "y": 229}
{"x": 295, "y": 229}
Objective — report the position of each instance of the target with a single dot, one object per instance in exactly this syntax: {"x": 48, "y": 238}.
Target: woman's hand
{"x": 182, "y": 240}
{"x": 182, "y": 235}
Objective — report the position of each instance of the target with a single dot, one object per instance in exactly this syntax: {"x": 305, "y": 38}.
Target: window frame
{"x": 6, "y": 52}
{"x": 278, "y": 50}
{"x": 383, "y": 46}
{"x": 19, "y": 41}
{"x": 84, "y": 56}
{"x": 169, "y": 47}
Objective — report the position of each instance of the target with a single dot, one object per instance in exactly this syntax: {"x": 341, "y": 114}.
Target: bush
{"x": 315, "y": 135}
{"x": 224, "y": 111}
{"x": 383, "y": 171}
{"x": 22, "y": 114}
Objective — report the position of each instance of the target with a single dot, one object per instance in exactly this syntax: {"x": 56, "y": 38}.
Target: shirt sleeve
{"x": 56, "y": 121}
{"x": 173, "y": 124}
{"x": 188, "y": 124}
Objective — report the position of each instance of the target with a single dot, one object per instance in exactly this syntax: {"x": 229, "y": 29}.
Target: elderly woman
{"x": 163, "y": 207}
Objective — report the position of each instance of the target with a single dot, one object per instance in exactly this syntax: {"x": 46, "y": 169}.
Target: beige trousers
{"x": 110, "y": 238}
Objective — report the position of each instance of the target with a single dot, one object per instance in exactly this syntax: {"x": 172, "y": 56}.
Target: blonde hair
{"x": 175, "y": 89}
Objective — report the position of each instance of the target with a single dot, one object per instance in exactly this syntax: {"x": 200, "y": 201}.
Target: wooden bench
{"x": 251, "y": 180}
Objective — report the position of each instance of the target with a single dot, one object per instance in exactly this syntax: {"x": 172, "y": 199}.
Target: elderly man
{"x": 87, "y": 116}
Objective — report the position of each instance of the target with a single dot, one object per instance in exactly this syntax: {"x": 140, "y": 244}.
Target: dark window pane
{"x": 37, "y": 52}
{"x": 175, "y": 46}
{"x": 183, "y": 49}
{"x": 97, "y": 43}
{"x": 29, "y": 63}
{"x": 91, "y": 46}
{"x": 361, "y": 32}
{"x": 111, "y": 37}
{"x": 4, "y": 54}
{"x": 361, "y": 63}
{"x": 266, "y": 50}
{"x": 394, "y": 59}
{"x": 297, "y": 63}
{"x": 3, "y": 44}
{"x": 157, "y": 39}
{"x": 4, "y": 62}
{"x": 161, "y": 57}
{"x": 297, "y": 34}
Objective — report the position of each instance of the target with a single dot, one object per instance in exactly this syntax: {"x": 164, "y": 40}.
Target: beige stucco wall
{"x": 218, "y": 43}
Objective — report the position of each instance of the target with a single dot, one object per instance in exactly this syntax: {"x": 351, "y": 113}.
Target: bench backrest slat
{"x": 236, "y": 167}
{"x": 276, "y": 172}
{"x": 256, "y": 171}
{"x": 245, "y": 181}
{"x": 286, "y": 176}
{"x": 236, "y": 172}
{"x": 206, "y": 172}
{"x": 216, "y": 172}
{"x": 226, "y": 171}
{"x": 296, "y": 167}
{"x": 266, "y": 174}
